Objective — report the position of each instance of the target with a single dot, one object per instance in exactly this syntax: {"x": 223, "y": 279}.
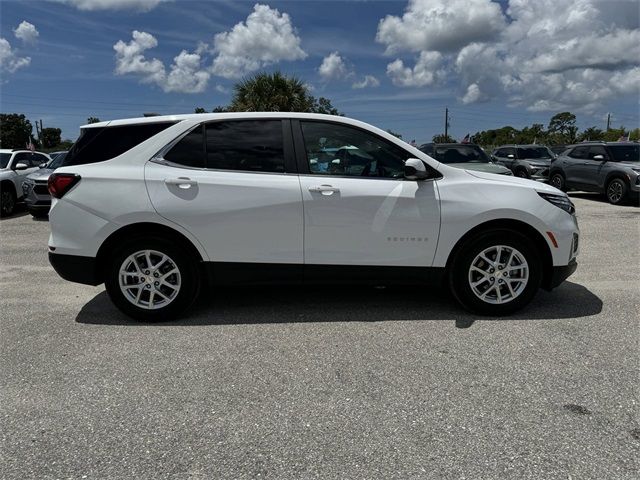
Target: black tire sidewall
{"x": 562, "y": 186}
{"x": 625, "y": 191}
{"x": 2, "y": 207}
{"x": 189, "y": 276}
{"x": 521, "y": 173}
{"x": 459, "y": 270}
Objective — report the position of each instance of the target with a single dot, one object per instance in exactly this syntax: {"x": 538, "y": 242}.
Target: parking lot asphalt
{"x": 324, "y": 382}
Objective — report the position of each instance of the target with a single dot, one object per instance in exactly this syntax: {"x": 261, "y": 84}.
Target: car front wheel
{"x": 152, "y": 280}
{"x": 616, "y": 191}
{"x": 496, "y": 273}
{"x": 7, "y": 201}
{"x": 557, "y": 180}
{"x": 522, "y": 173}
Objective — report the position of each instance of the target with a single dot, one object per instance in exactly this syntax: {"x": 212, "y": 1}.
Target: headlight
{"x": 560, "y": 201}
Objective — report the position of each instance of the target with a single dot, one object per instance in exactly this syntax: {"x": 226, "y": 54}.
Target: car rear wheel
{"x": 7, "y": 201}
{"x": 616, "y": 191}
{"x": 496, "y": 273}
{"x": 152, "y": 280}
{"x": 557, "y": 180}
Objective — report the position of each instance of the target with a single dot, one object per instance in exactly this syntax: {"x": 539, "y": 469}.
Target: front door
{"x": 358, "y": 207}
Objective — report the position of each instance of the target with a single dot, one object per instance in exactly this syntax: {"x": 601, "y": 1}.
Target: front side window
{"x": 4, "y": 159}
{"x": 461, "y": 154}
{"x": 25, "y": 158}
{"x": 534, "y": 153}
{"x": 97, "y": 144}
{"x": 245, "y": 145}
{"x": 334, "y": 149}
{"x": 579, "y": 152}
{"x": 597, "y": 150}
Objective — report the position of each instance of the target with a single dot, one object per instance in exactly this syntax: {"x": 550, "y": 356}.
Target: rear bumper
{"x": 76, "y": 268}
{"x": 559, "y": 274}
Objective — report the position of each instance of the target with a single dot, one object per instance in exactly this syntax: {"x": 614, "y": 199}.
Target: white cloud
{"x": 333, "y": 67}
{"x": 93, "y": 5}
{"x": 9, "y": 60}
{"x": 367, "y": 81}
{"x": 223, "y": 89}
{"x": 427, "y": 71}
{"x": 186, "y": 74}
{"x": 443, "y": 25}
{"x": 27, "y": 32}
{"x": 266, "y": 37}
{"x": 545, "y": 55}
{"x": 130, "y": 58}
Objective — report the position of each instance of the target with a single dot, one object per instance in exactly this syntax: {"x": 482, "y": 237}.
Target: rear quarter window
{"x": 98, "y": 144}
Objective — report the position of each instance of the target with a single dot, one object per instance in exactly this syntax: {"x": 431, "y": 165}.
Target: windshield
{"x": 625, "y": 153}
{"x": 4, "y": 159}
{"x": 461, "y": 154}
{"x": 534, "y": 152}
{"x": 57, "y": 161}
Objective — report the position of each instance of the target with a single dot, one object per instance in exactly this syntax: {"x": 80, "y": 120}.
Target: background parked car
{"x": 612, "y": 168}
{"x": 464, "y": 155}
{"x": 34, "y": 187}
{"x": 15, "y": 165}
{"x": 558, "y": 149}
{"x": 526, "y": 161}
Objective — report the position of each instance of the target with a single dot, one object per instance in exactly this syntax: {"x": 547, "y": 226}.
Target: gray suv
{"x": 526, "y": 161}
{"x": 612, "y": 168}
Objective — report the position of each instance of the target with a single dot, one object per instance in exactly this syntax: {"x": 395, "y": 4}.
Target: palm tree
{"x": 271, "y": 92}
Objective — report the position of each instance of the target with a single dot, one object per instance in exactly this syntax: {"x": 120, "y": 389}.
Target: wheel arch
{"x": 8, "y": 183}
{"x": 141, "y": 230}
{"x": 517, "y": 226}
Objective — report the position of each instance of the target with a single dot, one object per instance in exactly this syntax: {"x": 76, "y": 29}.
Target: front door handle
{"x": 324, "y": 189}
{"x": 181, "y": 182}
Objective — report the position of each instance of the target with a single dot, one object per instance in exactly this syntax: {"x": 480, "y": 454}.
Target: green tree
{"x": 562, "y": 128}
{"x": 50, "y": 137}
{"x": 15, "y": 130}
{"x": 199, "y": 110}
{"x": 323, "y": 105}
{"x": 271, "y": 92}
{"x": 591, "y": 133}
{"x": 442, "y": 138}
{"x": 634, "y": 135}
{"x": 93, "y": 120}
{"x": 614, "y": 134}
{"x": 220, "y": 109}
{"x": 394, "y": 134}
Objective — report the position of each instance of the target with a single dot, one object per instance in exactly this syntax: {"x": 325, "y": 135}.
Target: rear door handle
{"x": 181, "y": 182}
{"x": 324, "y": 189}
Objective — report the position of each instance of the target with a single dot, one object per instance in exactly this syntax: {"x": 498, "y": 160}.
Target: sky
{"x": 394, "y": 64}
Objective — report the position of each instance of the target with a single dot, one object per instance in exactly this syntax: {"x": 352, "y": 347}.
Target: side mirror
{"x": 20, "y": 166}
{"x": 415, "y": 169}
{"x": 598, "y": 157}
{"x": 42, "y": 165}
{"x": 511, "y": 155}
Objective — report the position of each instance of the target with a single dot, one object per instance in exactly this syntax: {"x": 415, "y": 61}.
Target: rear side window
{"x": 246, "y": 145}
{"x": 189, "y": 151}
{"x": 104, "y": 143}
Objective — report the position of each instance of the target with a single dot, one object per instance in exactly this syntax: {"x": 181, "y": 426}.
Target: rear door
{"x": 231, "y": 184}
{"x": 574, "y": 164}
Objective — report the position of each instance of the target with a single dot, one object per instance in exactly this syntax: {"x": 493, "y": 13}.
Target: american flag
{"x": 30, "y": 146}
{"x": 466, "y": 139}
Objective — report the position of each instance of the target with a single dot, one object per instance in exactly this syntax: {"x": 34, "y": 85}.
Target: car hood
{"x": 540, "y": 187}
{"x": 482, "y": 167}
{"x": 42, "y": 174}
{"x": 630, "y": 164}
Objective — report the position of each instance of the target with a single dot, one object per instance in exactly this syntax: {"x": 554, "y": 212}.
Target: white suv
{"x": 176, "y": 204}
{"x": 15, "y": 165}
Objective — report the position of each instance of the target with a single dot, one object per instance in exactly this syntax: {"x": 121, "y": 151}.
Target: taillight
{"x": 61, "y": 183}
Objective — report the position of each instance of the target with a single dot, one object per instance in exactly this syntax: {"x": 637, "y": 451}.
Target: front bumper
{"x": 560, "y": 274}
{"x": 75, "y": 268}
{"x": 539, "y": 173}
{"x": 36, "y": 195}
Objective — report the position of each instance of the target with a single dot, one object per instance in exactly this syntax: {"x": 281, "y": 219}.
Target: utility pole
{"x": 608, "y": 121}
{"x": 446, "y": 123}
{"x": 39, "y": 130}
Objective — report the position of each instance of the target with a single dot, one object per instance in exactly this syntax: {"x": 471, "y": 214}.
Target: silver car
{"x": 526, "y": 161}
{"x": 35, "y": 190}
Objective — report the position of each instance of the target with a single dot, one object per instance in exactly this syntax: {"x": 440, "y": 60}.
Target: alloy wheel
{"x": 615, "y": 191}
{"x": 557, "y": 181}
{"x": 498, "y": 274}
{"x": 149, "y": 279}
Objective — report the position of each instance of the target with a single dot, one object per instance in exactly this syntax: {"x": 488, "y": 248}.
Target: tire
{"x": 523, "y": 277}
{"x": 522, "y": 173}
{"x": 179, "y": 289}
{"x": 557, "y": 180}
{"x": 7, "y": 200}
{"x": 616, "y": 191}
{"x": 39, "y": 213}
